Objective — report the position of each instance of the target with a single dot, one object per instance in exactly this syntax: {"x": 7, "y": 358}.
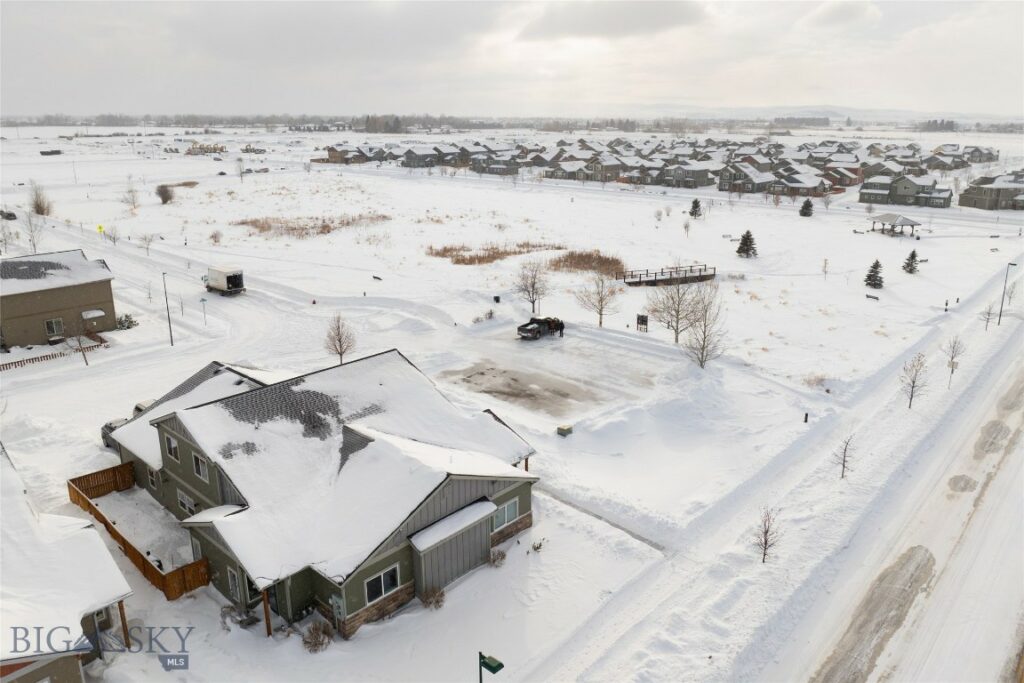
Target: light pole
{"x": 167, "y": 304}
{"x": 202, "y": 300}
{"x": 489, "y": 663}
{"x": 1003, "y": 298}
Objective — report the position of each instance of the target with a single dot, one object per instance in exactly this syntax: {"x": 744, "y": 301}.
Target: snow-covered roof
{"x": 210, "y": 514}
{"x": 879, "y": 180}
{"x": 893, "y": 219}
{"x": 447, "y": 527}
{"x": 213, "y": 382}
{"x": 55, "y": 569}
{"x": 92, "y": 313}
{"x": 356, "y": 447}
{"x": 571, "y": 166}
{"x": 37, "y": 272}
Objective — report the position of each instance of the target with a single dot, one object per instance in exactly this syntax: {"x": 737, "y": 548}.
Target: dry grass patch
{"x": 464, "y": 255}
{"x": 184, "y": 183}
{"x": 311, "y": 226}
{"x": 593, "y": 261}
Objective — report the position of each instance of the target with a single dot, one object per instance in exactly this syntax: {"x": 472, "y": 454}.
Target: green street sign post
{"x": 489, "y": 663}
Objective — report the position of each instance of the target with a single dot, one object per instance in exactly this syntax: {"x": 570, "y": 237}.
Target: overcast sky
{"x": 515, "y": 59}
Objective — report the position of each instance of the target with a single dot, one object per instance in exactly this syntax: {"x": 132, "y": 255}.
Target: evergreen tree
{"x": 747, "y": 248}
{"x": 874, "y": 276}
{"x": 807, "y": 209}
{"x": 910, "y": 265}
{"x": 695, "y": 210}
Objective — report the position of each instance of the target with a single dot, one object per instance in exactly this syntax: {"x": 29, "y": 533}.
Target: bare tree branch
{"x": 531, "y": 283}
{"x": 599, "y": 296}
{"x": 767, "y": 535}
{"x": 705, "y": 338}
{"x": 953, "y": 349}
{"x": 842, "y": 456}
{"x": 913, "y": 379}
{"x": 340, "y": 338}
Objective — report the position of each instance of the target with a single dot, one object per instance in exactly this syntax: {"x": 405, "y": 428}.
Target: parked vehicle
{"x": 225, "y": 280}
{"x": 539, "y": 327}
{"x": 108, "y": 428}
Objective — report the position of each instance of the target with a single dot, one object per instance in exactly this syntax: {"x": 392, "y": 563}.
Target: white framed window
{"x": 199, "y": 467}
{"x": 172, "y": 447}
{"x": 382, "y": 584}
{"x": 233, "y": 585}
{"x": 151, "y": 475}
{"x": 506, "y": 514}
{"x": 55, "y": 327}
{"x": 186, "y": 503}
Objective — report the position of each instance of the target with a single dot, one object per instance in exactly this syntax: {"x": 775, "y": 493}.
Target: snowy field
{"x": 648, "y": 507}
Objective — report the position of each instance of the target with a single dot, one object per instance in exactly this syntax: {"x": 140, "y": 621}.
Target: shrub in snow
{"x": 497, "y": 558}
{"x": 807, "y": 209}
{"x": 165, "y": 193}
{"x": 695, "y": 210}
{"x": 126, "y": 322}
{"x": 216, "y": 236}
{"x": 538, "y": 545}
{"x": 318, "y": 636}
{"x": 434, "y": 599}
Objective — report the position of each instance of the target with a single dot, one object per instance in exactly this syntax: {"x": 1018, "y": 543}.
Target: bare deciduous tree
{"x": 826, "y": 200}
{"x": 767, "y": 535}
{"x": 147, "y": 241}
{"x": 113, "y": 234}
{"x": 7, "y": 236}
{"x": 953, "y": 349}
{"x": 1011, "y": 292}
{"x": 705, "y": 339}
{"x": 599, "y": 296}
{"x": 39, "y": 200}
{"x": 842, "y": 456}
{"x": 240, "y": 167}
{"x": 531, "y": 283}
{"x": 75, "y": 338}
{"x": 340, "y": 338}
{"x": 33, "y": 230}
{"x": 913, "y": 378}
{"x": 672, "y": 306}
{"x": 130, "y": 196}
{"x": 988, "y": 314}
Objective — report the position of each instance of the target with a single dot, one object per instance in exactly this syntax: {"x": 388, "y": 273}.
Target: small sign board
{"x": 641, "y": 322}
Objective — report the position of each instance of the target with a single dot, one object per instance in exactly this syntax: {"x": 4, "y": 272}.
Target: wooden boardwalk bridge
{"x": 667, "y": 276}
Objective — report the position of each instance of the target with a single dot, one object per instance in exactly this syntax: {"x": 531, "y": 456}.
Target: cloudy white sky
{"x": 508, "y": 58}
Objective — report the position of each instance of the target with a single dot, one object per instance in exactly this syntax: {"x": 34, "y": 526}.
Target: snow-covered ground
{"x": 662, "y": 451}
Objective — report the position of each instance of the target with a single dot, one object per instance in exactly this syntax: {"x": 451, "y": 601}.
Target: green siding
{"x": 355, "y": 591}
{"x": 181, "y": 474}
{"x": 523, "y": 491}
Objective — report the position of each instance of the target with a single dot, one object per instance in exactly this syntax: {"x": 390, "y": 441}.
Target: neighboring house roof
{"x": 571, "y": 166}
{"x": 38, "y": 272}
{"x": 56, "y": 570}
{"x": 214, "y": 381}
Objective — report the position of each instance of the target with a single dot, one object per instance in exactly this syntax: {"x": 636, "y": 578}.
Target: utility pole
{"x": 1003, "y": 298}
{"x": 167, "y": 304}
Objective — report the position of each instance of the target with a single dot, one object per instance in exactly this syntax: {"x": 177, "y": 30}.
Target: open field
{"x": 679, "y": 457}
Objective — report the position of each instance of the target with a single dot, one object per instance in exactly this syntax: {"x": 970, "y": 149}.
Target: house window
{"x": 55, "y": 327}
{"x": 172, "y": 448}
{"x": 506, "y": 514}
{"x": 197, "y": 550}
{"x": 233, "y": 584}
{"x": 151, "y": 474}
{"x": 382, "y": 584}
{"x": 199, "y": 467}
{"x": 186, "y": 503}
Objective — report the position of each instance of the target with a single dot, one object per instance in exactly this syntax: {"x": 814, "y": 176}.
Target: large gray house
{"x": 349, "y": 490}
{"x": 905, "y": 189}
{"x": 999, "y": 192}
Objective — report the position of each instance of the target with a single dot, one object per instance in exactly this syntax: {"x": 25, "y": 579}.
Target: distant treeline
{"x": 802, "y": 121}
{"x": 935, "y": 125}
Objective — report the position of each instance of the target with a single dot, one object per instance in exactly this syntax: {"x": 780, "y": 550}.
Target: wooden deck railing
{"x": 173, "y": 583}
{"x": 667, "y": 276}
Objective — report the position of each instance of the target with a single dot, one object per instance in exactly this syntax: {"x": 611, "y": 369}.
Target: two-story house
{"x": 993, "y": 193}
{"x": 349, "y": 490}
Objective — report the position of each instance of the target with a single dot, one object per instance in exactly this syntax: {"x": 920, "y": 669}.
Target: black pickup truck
{"x": 538, "y": 327}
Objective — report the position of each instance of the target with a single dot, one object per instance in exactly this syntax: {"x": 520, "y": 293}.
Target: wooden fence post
{"x": 124, "y": 623}
{"x": 266, "y": 611}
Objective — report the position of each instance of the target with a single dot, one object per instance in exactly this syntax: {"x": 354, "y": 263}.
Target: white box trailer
{"x": 225, "y": 279}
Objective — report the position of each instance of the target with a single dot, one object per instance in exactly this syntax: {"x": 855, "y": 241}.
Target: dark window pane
{"x": 374, "y": 589}
{"x": 390, "y": 579}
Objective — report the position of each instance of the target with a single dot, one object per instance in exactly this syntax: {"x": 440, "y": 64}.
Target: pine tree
{"x": 695, "y": 210}
{"x": 874, "y": 276}
{"x": 747, "y": 248}
{"x": 910, "y": 265}
{"x": 807, "y": 209}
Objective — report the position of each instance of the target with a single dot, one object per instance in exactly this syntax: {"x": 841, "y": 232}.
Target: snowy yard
{"x": 148, "y": 526}
{"x": 679, "y": 457}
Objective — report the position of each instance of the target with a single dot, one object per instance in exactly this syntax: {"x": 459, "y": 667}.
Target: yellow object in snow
{"x": 99, "y": 229}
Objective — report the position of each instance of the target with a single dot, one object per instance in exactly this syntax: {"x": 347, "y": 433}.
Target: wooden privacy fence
{"x": 173, "y": 583}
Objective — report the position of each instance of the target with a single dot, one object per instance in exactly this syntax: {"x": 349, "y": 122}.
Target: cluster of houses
{"x": 888, "y": 174}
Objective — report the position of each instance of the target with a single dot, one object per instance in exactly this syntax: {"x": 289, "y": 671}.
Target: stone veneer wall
{"x": 505, "y": 533}
{"x": 378, "y": 610}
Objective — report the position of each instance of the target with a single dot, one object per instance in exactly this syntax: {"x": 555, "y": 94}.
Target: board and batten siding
{"x": 454, "y": 494}
{"x": 447, "y": 561}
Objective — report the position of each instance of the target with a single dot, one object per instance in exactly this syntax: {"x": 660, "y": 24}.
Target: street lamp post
{"x": 1003, "y": 298}
{"x": 489, "y": 663}
{"x": 202, "y": 300}
{"x": 167, "y": 304}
